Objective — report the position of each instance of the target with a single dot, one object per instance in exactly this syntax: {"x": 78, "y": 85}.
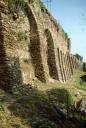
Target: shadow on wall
{"x": 38, "y": 110}
{"x": 15, "y": 74}
{"x": 4, "y": 70}
{"x": 10, "y": 73}
{"x": 60, "y": 66}
{"x": 51, "y": 56}
{"x": 34, "y": 47}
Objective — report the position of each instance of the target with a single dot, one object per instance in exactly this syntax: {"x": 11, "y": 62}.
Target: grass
{"x": 82, "y": 85}
{"x": 1, "y": 105}
{"x": 61, "y": 98}
{"x": 15, "y": 5}
{"x": 42, "y": 107}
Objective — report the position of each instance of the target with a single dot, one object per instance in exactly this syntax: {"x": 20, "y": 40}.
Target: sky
{"x": 71, "y": 14}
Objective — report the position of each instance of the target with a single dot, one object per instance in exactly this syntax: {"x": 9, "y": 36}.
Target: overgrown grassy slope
{"x": 44, "y": 107}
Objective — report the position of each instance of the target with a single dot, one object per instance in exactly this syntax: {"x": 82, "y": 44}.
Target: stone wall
{"x": 32, "y": 46}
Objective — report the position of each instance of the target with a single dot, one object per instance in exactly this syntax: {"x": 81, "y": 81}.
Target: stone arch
{"x": 34, "y": 47}
{"x": 51, "y": 61}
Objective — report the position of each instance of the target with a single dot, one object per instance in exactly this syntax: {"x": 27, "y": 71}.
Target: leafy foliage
{"x": 84, "y": 66}
{"x": 79, "y": 57}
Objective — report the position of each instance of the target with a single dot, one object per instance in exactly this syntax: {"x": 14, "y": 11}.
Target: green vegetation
{"x": 42, "y": 107}
{"x": 31, "y": 1}
{"x": 15, "y": 5}
{"x": 69, "y": 44}
{"x": 27, "y": 61}
{"x": 22, "y": 36}
{"x": 84, "y": 66}
{"x": 79, "y": 57}
{"x": 82, "y": 85}
{"x": 64, "y": 34}
{"x": 1, "y": 105}
{"x": 61, "y": 98}
{"x": 42, "y": 6}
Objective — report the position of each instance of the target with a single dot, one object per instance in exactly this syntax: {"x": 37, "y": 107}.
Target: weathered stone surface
{"x": 28, "y": 47}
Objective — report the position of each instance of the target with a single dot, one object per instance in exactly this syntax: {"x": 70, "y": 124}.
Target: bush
{"x": 84, "y": 66}
{"x": 79, "y": 57}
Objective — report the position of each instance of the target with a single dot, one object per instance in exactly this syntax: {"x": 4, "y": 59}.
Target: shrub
{"x": 79, "y": 57}
{"x": 84, "y": 66}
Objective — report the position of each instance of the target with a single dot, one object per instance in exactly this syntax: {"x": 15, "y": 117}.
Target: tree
{"x": 79, "y": 57}
{"x": 84, "y": 66}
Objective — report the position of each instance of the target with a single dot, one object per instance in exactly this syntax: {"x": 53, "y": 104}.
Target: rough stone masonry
{"x": 32, "y": 45}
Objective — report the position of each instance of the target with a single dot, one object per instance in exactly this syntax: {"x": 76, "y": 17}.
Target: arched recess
{"x": 34, "y": 47}
{"x": 51, "y": 56}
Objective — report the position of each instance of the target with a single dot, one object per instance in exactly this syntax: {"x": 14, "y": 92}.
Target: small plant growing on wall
{"x": 64, "y": 34}
{"x": 68, "y": 44}
{"x": 27, "y": 61}
{"x": 14, "y": 7}
{"x": 42, "y": 6}
{"x": 31, "y": 1}
{"x": 22, "y": 36}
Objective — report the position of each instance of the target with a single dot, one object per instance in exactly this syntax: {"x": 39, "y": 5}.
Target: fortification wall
{"x": 32, "y": 46}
